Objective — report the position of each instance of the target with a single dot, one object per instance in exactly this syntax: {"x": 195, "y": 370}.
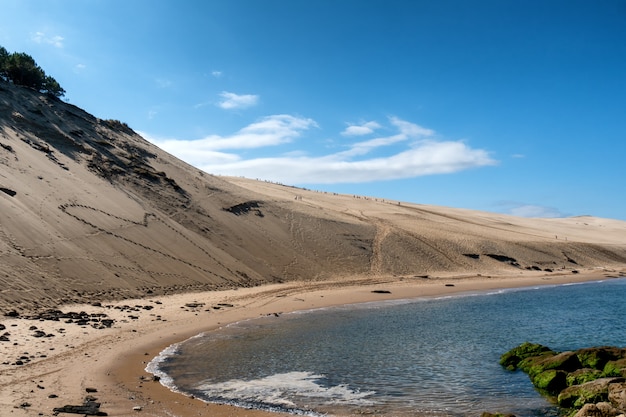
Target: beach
{"x": 109, "y": 363}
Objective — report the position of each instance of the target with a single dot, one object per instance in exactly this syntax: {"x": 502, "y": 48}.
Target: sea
{"x": 417, "y": 357}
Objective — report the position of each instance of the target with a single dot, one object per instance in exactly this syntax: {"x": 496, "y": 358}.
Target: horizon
{"x": 505, "y": 107}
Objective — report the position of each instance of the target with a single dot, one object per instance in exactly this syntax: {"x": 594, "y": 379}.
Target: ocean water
{"x": 421, "y": 357}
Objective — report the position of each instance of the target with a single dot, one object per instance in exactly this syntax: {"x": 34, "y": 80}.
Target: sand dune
{"x": 91, "y": 211}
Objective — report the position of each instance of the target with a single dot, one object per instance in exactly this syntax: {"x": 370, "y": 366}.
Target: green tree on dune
{"x": 21, "y": 69}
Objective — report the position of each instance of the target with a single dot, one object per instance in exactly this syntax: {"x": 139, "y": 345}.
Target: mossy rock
{"x": 582, "y": 376}
{"x": 511, "y": 359}
{"x": 597, "y": 357}
{"x": 552, "y": 381}
{"x": 590, "y": 392}
{"x": 565, "y": 361}
{"x": 615, "y": 368}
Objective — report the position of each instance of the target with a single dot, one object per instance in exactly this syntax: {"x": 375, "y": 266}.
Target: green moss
{"x": 615, "y": 368}
{"x": 511, "y": 359}
{"x": 597, "y": 357}
{"x": 583, "y": 375}
{"x": 551, "y": 381}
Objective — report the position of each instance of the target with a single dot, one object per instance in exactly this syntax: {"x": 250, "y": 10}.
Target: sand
{"x": 112, "y": 361}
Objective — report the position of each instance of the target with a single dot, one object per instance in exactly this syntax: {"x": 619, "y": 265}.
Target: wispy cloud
{"x": 419, "y": 154}
{"x": 531, "y": 210}
{"x": 405, "y": 131}
{"x": 41, "y": 37}
{"x": 216, "y": 74}
{"x": 361, "y": 129}
{"x": 163, "y": 82}
{"x": 237, "y": 101}
{"x": 268, "y": 131}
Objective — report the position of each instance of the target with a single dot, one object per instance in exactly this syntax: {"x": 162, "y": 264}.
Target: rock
{"x": 137, "y": 408}
{"x": 565, "y": 361}
{"x": 511, "y": 359}
{"x": 590, "y": 392}
{"x": 552, "y": 381}
{"x": 615, "y": 368}
{"x": 580, "y": 376}
{"x": 597, "y": 358}
{"x": 617, "y": 395}
{"x": 88, "y": 408}
{"x": 601, "y": 409}
{"x": 574, "y": 378}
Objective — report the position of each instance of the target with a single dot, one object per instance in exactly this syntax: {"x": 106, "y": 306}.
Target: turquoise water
{"x": 424, "y": 357}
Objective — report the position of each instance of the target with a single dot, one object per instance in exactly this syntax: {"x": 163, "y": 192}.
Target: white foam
{"x": 154, "y": 366}
{"x": 291, "y": 390}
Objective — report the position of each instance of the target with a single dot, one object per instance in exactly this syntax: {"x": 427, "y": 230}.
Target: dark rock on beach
{"x": 588, "y": 382}
{"x": 89, "y": 408}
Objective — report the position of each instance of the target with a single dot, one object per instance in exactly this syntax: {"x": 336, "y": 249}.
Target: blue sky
{"x": 515, "y": 107}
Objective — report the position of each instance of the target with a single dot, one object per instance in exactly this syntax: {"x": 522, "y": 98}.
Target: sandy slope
{"x": 91, "y": 211}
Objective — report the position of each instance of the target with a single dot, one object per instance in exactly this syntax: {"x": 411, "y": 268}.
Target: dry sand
{"x": 113, "y": 360}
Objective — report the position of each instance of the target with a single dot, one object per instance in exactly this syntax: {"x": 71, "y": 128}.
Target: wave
{"x": 280, "y": 392}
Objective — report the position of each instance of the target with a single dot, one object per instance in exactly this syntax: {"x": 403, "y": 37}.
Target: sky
{"x": 506, "y": 106}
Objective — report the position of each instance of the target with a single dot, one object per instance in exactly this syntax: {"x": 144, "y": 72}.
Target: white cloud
{"x": 531, "y": 210}
{"x": 428, "y": 159}
{"x": 216, "y": 74}
{"x": 362, "y": 129}
{"x": 420, "y": 155}
{"x": 163, "y": 82}
{"x": 268, "y": 131}
{"x": 406, "y": 131}
{"x": 41, "y": 37}
{"x": 237, "y": 101}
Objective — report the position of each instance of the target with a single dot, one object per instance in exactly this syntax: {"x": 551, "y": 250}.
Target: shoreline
{"x": 112, "y": 361}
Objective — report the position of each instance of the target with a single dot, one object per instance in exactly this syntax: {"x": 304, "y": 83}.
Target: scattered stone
{"x": 381, "y": 291}
{"x": 194, "y": 305}
{"x": 137, "y": 408}
{"x": 89, "y": 408}
{"x": 8, "y": 191}
{"x": 88, "y": 389}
